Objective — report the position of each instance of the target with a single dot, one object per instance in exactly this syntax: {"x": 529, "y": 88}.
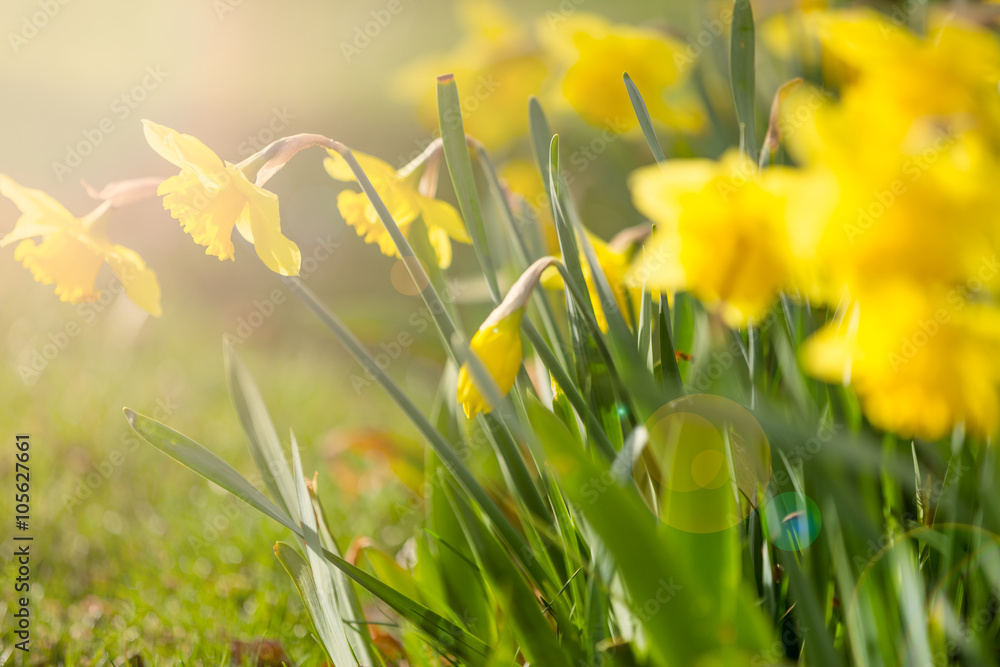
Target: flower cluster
{"x": 890, "y": 217}
{"x": 574, "y": 61}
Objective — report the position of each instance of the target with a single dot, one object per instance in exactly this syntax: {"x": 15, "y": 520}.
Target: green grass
{"x": 150, "y": 560}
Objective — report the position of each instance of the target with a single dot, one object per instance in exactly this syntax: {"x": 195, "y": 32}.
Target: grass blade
{"x": 644, "y": 121}
{"x": 264, "y": 444}
{"x": 196, "y": 457}
{"x": 743, "y": 73}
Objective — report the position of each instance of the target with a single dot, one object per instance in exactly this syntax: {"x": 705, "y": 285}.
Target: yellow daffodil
{"x": 917, "y": 199}
{"x": 401, "y": 197}
{"x": 954, "y": 69}
{"x": 72, "y": 250}
{"x": 921, "y": 363}
{"x": 497, "y": 67}
{"x": 614, "y": 263}
{"x": 210, "y": 197}
{"x": 596, "y": 53}
{"x": 729, "y": 234}
{"x": 497, "y": 343}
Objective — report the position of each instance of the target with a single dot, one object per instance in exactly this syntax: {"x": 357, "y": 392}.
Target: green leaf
{"x": 205, "y": 463}
{"x": 456, "y": 154}
{"x": 742, "y": 72}
{"x": 264, "y": 444}
{"x": 446, "y": 635}
{"x": 515, "y": 596}
{"x": 327, "y": 615}
{"x": 541, "y": 137}
{"x": 300, "y": 572}
{"x": 644, "y": 121}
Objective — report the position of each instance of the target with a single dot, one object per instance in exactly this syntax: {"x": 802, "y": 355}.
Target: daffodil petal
{"x": 375, "y": 169}
{"x": 207, "y": 216}
{"x": 437, "y": 213}
{"x": 278, "y": 253}
{"x": 139, "y": 280}
{"x": 499, "y": 348}
{"x": 358, "y": 213}
{"x": 65, "y": 260}
{"x": 40, "y": 214}
{"x": 182, "y": 150}
{"x": 442, "y": 246}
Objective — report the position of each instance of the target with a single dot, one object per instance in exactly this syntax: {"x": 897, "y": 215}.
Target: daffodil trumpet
{"x": 495, "y": 352}
{"x": 391, "y": 200}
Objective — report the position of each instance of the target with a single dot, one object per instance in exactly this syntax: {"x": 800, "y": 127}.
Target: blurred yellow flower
{"x": 917, "y": 197}
{"x": 399, "y": 192}
{"x": 497, "y": 343}
{"x": 731, "y": 235}
{"x": 497, "y": 67}
{"x": 209, "y": 197}
{"x": 597, "y": 53}
{"x": 954, "y": 69}
{"x": 522, "y": 178}
{"x": 614, "y": 264}
{"x": 72, "y": 250}
{"x": 920, "y": 363}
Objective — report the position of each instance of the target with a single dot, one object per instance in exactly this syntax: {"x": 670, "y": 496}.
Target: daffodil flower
{"x": 210, "y": 197}
{"x": 732, "y": 235}
{"x": 916, "y": 200}
{"x": 399, "y": 191}
{"x": 72, "y": 250}
{"x": 614, "y": 260}
{"x": 921, "y": 362}
{"x": 497, "y": 343}
{"x": 597, "y": 53}
{"x": 497, "y": 67}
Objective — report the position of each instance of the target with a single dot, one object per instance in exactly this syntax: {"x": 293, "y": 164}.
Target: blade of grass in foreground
{"x": 449, "y": 457}
{"x": 743, "y": 73}
{"x": 329, "y": 615}
{"x": 443, "y": 633}
{"x": 456, "y": 154}
{"x": 264, "y": 444}
{"x": 644, "y": 121}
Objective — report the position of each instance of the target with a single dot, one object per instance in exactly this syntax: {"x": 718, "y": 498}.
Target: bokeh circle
{"x": 793, "y": 521}
{"x": 706, "y": 465}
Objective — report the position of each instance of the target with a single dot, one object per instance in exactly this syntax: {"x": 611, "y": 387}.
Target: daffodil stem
{"x": 446, "y": 327}
{"x": 545, "y": 308}
{"x": 437, "y": 441}
{"x": 456, "y": 155}
{"x": 455, "y": 343}
{"x": 569, "y": 388}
